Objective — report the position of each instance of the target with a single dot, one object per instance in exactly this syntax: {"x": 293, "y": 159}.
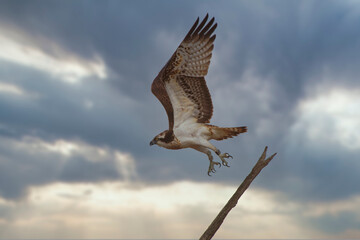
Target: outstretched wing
{"x": 180, "y": 86}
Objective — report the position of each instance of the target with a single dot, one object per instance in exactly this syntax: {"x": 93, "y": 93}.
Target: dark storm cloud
{"x": 91, "y": 171}
{"x": 294, "y": 42}
{"x": 324, "y": 174}
{"x": 121, "y": 32}
{"x": 28, "y": 162}
{"x": 122, "y": 36}
{"x": 59, "y": 110}
{"x": 19, "y": 170}
{"x": 287, "y": 39}
{"x": 337, "y": 224}
{"x": 287, "y": 42}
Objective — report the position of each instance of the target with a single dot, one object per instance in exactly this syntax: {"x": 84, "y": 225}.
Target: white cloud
{"x": 11, "y": 89}
{"x": 332, "y": 116}
{"x": 36, "y": 145}
{"x": 22, "y": 48}
{"x": 126, "y": 165}
{"x": 63, "y": 150}
{"x": 134, "y": 210}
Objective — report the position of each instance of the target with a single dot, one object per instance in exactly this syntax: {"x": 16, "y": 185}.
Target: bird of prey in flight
{"x": 181, "y": 88}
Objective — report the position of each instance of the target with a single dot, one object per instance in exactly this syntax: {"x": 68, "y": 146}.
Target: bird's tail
{"x": 219, "y": 133}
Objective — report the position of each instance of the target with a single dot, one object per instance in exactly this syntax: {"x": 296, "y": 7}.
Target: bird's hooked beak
{"x": 153, "y": 142}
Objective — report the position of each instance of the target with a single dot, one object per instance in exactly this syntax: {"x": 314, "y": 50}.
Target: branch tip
{"x": 263, "y": 155}
{"x": 216, "y": 223}
{"x": 272, "y": 156}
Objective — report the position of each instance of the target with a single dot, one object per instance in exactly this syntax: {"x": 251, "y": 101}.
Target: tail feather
{"x": 219, "y": 133}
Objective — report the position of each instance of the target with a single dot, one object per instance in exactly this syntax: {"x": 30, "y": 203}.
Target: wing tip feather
{"x": 188, "y": 35}
{"x": 199, "y": 29}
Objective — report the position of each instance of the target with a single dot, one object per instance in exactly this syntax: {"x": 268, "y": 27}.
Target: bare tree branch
{"x": 215, "y": 225}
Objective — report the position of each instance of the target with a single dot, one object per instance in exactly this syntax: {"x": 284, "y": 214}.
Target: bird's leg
{"x": 208, "y": 153}
{"x": 212, "y": 163}
{"x": 222, "y": 156}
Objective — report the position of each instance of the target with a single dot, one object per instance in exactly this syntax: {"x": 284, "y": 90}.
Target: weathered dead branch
{"x": 215, "y": 225}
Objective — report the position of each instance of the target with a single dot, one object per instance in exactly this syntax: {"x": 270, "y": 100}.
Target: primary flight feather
{"x": 181, "y": 88}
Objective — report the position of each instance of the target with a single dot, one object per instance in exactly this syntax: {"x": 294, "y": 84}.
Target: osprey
{"x": 181, "y": 88}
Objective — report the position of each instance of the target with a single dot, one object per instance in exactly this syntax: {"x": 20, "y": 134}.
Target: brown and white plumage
{"x": 181, "y": 88}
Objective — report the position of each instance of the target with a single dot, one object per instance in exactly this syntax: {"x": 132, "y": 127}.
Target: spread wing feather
{"x": 158, "y": 89}
{"x": 180, "y": 86}
{"x": 190, "y": 98}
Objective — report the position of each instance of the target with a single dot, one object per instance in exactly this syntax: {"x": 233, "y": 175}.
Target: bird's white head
{"x": 158, "y": 138}
{"x": 164, "y": 139}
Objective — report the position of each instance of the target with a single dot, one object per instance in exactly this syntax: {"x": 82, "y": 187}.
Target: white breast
{"x": 191, "y": 133}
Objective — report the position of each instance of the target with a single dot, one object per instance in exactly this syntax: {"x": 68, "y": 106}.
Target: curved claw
{"x": 223, "y": 156}
{"x": 211, "y": 167}
{"x": 211, "y": 171}
{"x": 225, "y": 164}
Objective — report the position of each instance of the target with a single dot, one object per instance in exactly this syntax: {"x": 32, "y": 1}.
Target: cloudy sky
{"x": 77, "y": 116}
